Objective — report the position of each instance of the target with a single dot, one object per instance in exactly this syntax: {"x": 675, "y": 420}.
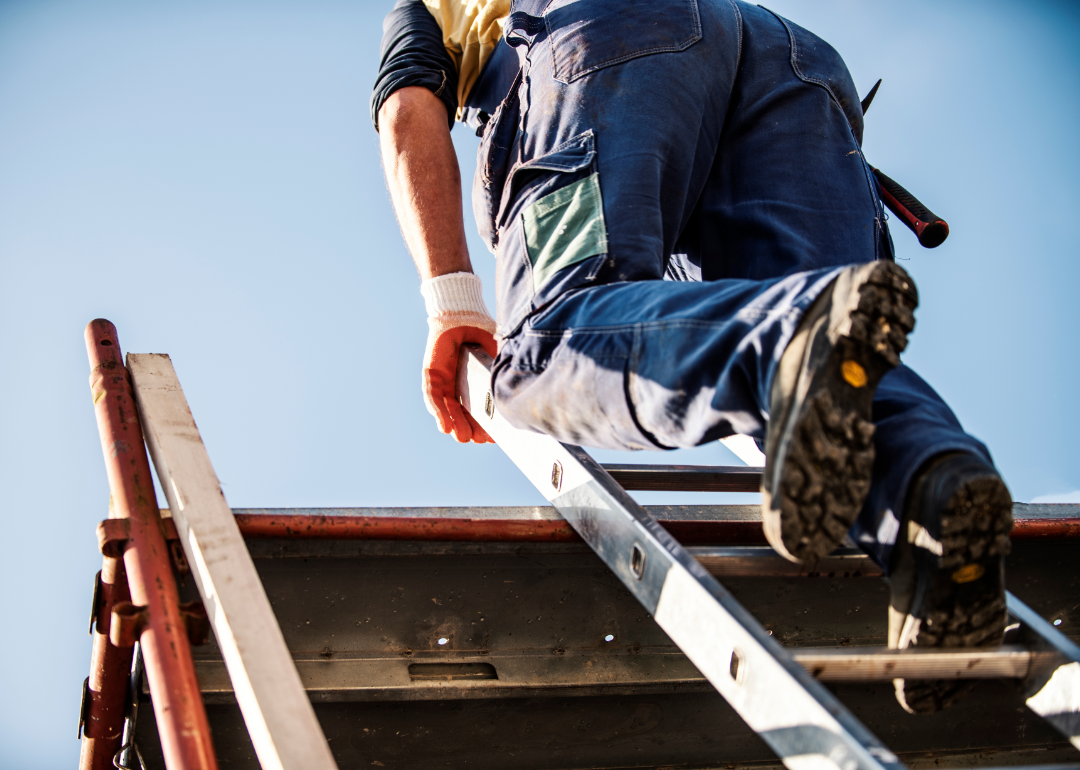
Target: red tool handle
{"x": 931, "y": 229}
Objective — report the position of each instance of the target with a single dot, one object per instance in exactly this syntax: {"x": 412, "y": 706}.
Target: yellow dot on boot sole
{"x": 968, "y": 573}
{"x": 854, "y": 375}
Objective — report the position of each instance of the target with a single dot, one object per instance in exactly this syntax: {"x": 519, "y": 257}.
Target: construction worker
{"x": 690, "y": 245}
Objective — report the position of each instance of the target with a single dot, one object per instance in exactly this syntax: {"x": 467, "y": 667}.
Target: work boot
{"x": 819, "y": 448}
{"x": 947, "y": 574}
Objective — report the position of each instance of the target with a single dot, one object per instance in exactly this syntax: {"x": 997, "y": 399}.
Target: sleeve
{"x": 471, "y": 30}
{"x": 413, "y": 54}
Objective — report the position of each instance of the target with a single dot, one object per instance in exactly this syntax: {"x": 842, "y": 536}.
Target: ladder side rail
{"x": 1052, "y": 689}
{"x": 155, "y": 615}
{"x": 794, "y": 714}
{"x": 280, "y": 719}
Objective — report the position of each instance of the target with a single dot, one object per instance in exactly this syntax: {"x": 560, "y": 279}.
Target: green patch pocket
{"x": 565, "y": 227}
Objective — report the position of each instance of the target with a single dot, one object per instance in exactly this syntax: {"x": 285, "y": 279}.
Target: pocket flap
{"x": 572, "y": 155}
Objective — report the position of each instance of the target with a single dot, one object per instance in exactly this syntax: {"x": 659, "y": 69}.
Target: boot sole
{"x": 965, "y": 602}
{"x": 823, "y": 455}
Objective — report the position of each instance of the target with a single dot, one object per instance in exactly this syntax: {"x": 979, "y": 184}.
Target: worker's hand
{"x": 456, "y": 316}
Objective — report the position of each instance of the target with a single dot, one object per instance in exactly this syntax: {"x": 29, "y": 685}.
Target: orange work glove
{"x": 456, "y": 316}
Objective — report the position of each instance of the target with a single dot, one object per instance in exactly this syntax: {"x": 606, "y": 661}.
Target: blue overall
{"x": 667, "y": 188}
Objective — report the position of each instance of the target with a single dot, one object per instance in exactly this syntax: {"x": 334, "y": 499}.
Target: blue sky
{"x": 206, "y": 176}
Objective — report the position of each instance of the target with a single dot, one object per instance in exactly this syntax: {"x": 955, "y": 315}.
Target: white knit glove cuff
{"x": 453, "y": 293}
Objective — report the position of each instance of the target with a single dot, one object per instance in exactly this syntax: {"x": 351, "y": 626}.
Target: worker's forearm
{"x": 424, "y": 180}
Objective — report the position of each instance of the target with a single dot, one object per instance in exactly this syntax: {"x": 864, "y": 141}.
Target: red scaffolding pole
{"x": 104, "y": 691}
{"x": 155, "y": 619}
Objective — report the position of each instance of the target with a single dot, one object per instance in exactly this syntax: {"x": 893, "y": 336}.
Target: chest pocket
{"x": 589, "y": 35}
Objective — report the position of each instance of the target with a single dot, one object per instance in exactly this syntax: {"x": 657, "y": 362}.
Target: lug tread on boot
{"x": 966, "y": 602}
{"x": 826, "y": 474}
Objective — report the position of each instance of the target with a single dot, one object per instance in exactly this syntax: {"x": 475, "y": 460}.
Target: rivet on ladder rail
{"x": 637, "y": 561}
{"x": 736, "y": 659}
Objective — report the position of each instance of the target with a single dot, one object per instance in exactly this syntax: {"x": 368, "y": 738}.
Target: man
{"x": 690, "y": 245}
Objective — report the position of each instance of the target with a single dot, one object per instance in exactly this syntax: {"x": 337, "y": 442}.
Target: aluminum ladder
{"x": 769, "y": 687}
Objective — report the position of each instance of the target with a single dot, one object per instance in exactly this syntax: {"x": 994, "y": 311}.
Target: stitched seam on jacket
{"x": 795, "y": 64}
{"x": 874, "y": 198}
{"x": 739, "y": 33}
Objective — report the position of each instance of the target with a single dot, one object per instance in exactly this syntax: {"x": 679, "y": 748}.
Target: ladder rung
{"x": 868, "y": 664}
{"x": 763, "y": 561}
{"x": 687, "y": 478}
{"x": 380, "y": 677}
